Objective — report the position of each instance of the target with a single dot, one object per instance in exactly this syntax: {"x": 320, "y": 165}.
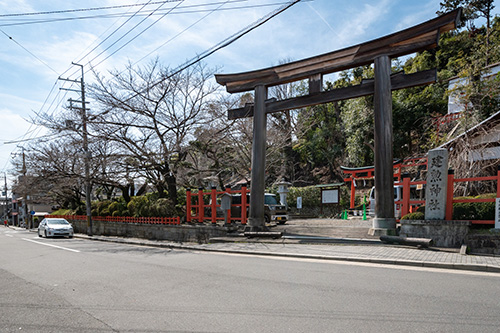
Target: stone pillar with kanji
{"x": 437, "y": 178}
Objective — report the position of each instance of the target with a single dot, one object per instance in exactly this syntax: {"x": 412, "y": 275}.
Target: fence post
{"x": 201, "y": 209}
{"x": 353, "y": 194}
{"x": 405, "y": 205}
{"x": 213, "y": 205}
{"x": 449, "y": 195}
{"x": 498, "y": 181}
{"x": 188, "y": 205}
{"x": 244, "y": 204}
{"x": 228, "y": 190}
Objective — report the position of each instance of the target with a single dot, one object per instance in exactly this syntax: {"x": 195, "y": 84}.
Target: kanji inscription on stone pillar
{"x": 435, "y": 192}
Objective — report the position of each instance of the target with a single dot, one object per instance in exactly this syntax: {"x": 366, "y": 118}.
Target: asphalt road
{"x": 77, "y": 285}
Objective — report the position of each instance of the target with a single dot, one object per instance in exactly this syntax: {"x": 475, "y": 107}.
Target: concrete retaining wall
{"x": 443, "y": 233}
{"x": 483, "y": 243}
{"x": 176, "y": 233}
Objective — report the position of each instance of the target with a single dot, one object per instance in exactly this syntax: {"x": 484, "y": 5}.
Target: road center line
{"x": 59, "y": 247}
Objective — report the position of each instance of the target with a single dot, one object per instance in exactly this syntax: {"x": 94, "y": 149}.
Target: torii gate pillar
{"x": 256, "y": 221}
{"x": 384, "y": 222}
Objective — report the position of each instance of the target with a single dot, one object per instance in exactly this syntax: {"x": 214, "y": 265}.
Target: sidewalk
{"x": 376, "y": 252}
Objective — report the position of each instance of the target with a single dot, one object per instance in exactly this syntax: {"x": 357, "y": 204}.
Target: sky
{"x": 39, "y": 48}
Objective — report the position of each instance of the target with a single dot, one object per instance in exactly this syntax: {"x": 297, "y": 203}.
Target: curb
{"x": 396, "y": 262}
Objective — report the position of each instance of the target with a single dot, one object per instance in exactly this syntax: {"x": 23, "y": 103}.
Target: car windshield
{"x": 57, "y": 222}
{"x": 270, "y": 200}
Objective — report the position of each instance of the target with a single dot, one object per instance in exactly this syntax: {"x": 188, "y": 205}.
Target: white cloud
{"x": 14, "y": 127}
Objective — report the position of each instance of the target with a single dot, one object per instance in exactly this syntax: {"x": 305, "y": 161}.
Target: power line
{"x": 31, "y": 53}
{"x": 87, "y": 9}
{"x": 222, "y": 44}
{"x": 99, "y": 44}
{"x": 180, "y": 33}
{"x": 140, "y": 33}
{"x": 145, "y": 13}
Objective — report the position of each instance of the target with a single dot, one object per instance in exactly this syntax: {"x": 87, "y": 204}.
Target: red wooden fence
{"x": 407, "y": 204}
{"x": 123, "y": 219}
{"x": 200, "y": 203}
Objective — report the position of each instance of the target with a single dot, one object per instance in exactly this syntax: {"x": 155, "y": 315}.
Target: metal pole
{"x": 6, "y": 198}
{"x": 88, "y": 184}
{"x": 25, "y": 194}
{"x": 256, "y": 220}
{"x": 384, "y": 221}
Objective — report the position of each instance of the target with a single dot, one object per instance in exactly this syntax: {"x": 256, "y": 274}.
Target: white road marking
{"x": 59, "y": 247}
{"x": 8, "y": 235}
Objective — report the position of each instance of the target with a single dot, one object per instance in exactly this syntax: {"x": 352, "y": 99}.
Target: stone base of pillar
{"x": 383, "y": 227}
{"x": 256, "y": 225}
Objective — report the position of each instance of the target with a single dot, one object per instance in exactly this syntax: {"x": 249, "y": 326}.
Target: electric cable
{"x": 131, "y": 40}
{"x": 86, "y": 9}
{"x": 145, "y": 13}
{"x": 180, "y": 33}
{"x": 224, "y": 43}
{"x": 31, "y": 53}
{"x": 78, "y": 61}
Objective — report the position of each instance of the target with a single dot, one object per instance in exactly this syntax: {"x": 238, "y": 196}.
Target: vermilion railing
{"x": 408, "y": 204}
{"x": 122, "y": 219}
{"x": 450, "y": 200}
{"x": 202, "y": 206}
{"x": 366, "y": 173}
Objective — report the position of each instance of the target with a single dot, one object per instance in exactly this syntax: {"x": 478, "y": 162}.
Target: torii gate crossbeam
{"x": 379, "y": 51}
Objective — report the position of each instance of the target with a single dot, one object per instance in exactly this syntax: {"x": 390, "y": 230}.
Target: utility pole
{"x": 88, "y": 184}
{"x": 25, "y": 194}
{"x": 6, "y": 211}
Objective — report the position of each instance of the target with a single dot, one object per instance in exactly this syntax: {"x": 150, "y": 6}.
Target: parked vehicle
{"x": 273, "y": 210}
{"x": 415, "y": 194}
{"x": 51, "y": 227}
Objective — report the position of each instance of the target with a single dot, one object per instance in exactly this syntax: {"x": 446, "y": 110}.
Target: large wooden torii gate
{"x": 379, "y": 51}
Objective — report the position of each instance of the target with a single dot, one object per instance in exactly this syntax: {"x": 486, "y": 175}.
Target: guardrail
{"x": 122, "y": 219}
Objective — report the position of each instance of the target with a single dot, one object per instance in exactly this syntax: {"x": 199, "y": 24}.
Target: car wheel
{"x": 39, "y": 234}
{"x": 70, "y": 236}
{"x": 281, "y": 222}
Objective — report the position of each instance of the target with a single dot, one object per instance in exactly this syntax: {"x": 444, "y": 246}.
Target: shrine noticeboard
{"x": 330, "y": 194}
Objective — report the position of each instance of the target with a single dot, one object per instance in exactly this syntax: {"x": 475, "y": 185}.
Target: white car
{"x": 50, "y": 227}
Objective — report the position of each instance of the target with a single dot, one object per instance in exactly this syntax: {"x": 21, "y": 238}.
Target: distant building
{"x": 456, "y": 83}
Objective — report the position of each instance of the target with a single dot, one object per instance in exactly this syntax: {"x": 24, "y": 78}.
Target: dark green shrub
{"x": 414, "y": 216}
{"x": 114, "y": 207}
{"x": 162, "y": 207}
{"x": 464, "y": 211}
{"x": 311, "y": 196}
{"x": 105, "y": 212}
{"x": 485, "y": 210}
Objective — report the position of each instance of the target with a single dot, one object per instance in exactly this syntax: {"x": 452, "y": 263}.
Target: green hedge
{"x": 466, "y": 210}
{"x": 414, "y": 216}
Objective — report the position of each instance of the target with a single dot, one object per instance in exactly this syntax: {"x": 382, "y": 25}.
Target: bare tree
{"x": 151, "y": 114}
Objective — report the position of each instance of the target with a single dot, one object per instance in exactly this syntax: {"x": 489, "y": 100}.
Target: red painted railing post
{"x": 201, "y": 209}
{"x": 213, "y": 196}
{"x": 498, "y": 182}
{"x": 228, "y": 190}
{"x": 244, "y": 204}
{"x": 449, "y": 195}
{"x": 188, "y": 205}
{"x": 353, "y": 194}
{"x": 406, "y": 195}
